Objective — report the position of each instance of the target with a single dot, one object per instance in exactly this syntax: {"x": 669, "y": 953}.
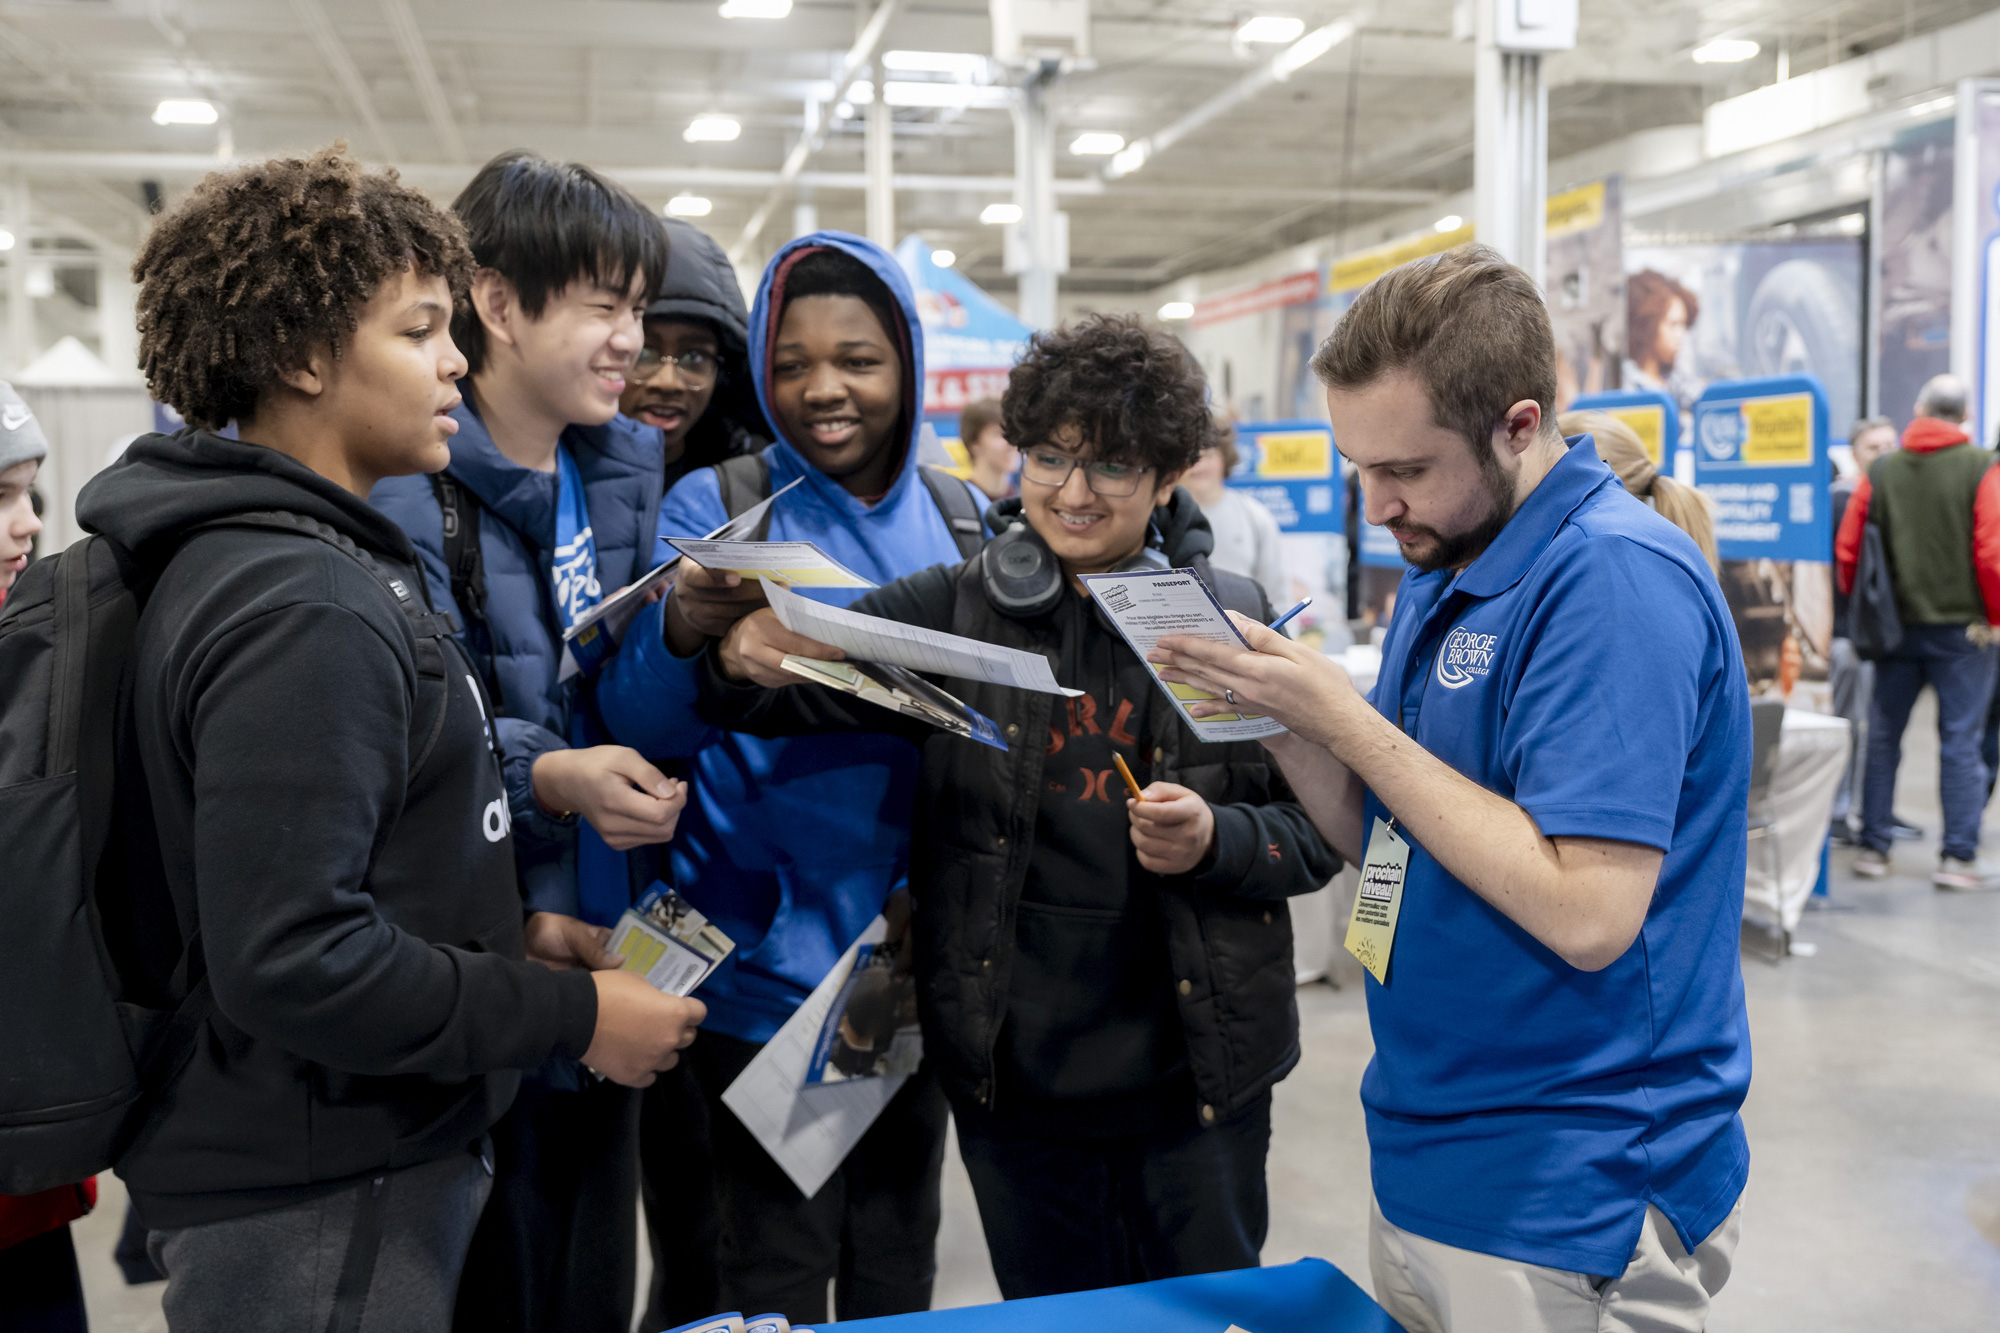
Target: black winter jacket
{"x": 332, "y": 822}
{"x": 1229, "y": 932}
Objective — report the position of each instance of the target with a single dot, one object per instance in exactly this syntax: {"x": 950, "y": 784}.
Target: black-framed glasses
{"x": 696, "y": 367}
{"x": 1046, "y": 467}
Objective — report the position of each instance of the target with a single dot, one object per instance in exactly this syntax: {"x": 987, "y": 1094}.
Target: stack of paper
{"x": 873, "y": 639}
{"x": 598, "y": 631}
{"x": 796, "y": 564}
{"x": 899, "y": 691}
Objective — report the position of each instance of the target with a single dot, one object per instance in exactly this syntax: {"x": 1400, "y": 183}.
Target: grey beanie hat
{"x": 21, "y": 436}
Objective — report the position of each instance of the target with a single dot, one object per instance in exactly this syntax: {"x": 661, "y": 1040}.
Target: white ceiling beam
{"x": 430, "y": 92}
{"x": 1276, "y": 70}
{"x": 354, "y": 91}
{"x": 858, "y": 56}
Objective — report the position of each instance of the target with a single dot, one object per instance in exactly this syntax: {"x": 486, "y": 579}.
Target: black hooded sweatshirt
{"x": 700, "y": 287}
{"x": 352, "y": 882}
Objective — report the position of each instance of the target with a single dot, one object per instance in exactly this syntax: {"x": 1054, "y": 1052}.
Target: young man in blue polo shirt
{"x": 1558, "y": 746}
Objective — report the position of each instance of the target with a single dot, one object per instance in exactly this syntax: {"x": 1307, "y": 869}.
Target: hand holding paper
{"x": 1288, "y": 681}
{"x": 1152, "y": 606}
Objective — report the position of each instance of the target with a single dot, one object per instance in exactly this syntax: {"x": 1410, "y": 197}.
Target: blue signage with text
{"x": 1653, "y": 416}
{"x": 1760, "y": 458}
{"x": 1292, "y": 467}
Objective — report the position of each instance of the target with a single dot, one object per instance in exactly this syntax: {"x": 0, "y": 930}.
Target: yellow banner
{"x": 1778, "y": 431}
{"x": 1649, "y": 424}
{"x": 1358, "y": 270}
{"x": 1295, "y": 456}
{"x": 1576, "y": 210}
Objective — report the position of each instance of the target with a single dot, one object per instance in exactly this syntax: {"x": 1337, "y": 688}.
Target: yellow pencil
{"x": 1126, "y": 774}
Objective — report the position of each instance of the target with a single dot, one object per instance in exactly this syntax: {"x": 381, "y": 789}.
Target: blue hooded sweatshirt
{"x": 790, "y": 846}
{"x": 565, "y": 866}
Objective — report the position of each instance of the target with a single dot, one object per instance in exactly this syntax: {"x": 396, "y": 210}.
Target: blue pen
{"x": 1281, "y": 621}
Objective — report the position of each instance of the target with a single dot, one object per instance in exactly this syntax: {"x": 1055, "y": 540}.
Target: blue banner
{"x": 1653, "y": 416}
{"x": 1292, "y": 467}
{"x": 1760, "y": 457}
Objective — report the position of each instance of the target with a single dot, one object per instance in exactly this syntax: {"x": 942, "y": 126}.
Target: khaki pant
{"x": 1428, "y": 1287}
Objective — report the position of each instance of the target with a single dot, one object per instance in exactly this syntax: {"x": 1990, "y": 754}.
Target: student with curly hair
{"x": 337, "y": 871}
{"x": 1105, "y": 985}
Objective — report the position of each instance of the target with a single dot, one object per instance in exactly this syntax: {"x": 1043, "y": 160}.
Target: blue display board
{"x": 1292, "y": 467}
{"x": 1309, "y": 1296}
{"x": 1760, "y": 457}
{"x": 1653, "y": 417}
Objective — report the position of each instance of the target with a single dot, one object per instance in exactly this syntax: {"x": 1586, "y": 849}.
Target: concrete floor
{"x": 1874, "y": 1119}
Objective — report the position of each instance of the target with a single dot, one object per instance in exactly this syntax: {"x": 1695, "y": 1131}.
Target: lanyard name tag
{"x": 1371, "y": 928}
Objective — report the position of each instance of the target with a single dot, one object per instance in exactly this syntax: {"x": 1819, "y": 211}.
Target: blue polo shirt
{"x": 1585, "y": 667}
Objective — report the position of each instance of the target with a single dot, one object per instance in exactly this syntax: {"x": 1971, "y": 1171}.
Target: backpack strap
{"x": 424, "y": 623}
{"x": 745, "y": 481}
{"x": 955, "y": 502}
{"x": 465, "y": 565}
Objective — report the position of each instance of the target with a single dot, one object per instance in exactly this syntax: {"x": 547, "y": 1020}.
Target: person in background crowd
{"x": 1625, "y": 454}
{"x": 1661, "y": 312}
{"x": 22, "y": 449}
{"x": 1247, "y": 540}
{"x": 552, "y": 495}
{"x": 39, "y": 1288}
{"x": 1106, "y": 985}
{"x": 994, "y": 461}
{"x": 691, "y": 380}
{"x": 792, "y": 847}
{"x": 331, "y": 815}
{"x": 1937, "y": 503}
{"x": 1852, "y": 679}
{"x": 1561, "y": 737}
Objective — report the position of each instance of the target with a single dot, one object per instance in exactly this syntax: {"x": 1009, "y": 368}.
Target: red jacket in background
{"x": 26, "y": 1216}
{"x": 1928, "y": 435}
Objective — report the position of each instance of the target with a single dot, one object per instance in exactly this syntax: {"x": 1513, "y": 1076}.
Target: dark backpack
{"x": 745, "y": 480}
{"x": 1873, "y": 620}
{"x": 83, "y": 1045}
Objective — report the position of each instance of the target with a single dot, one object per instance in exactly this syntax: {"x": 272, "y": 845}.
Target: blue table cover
{"x": 1310, "y": 1296}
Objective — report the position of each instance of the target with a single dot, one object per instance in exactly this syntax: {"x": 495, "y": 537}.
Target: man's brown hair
{"x": 1469, "y": 325}
{"x": 977, "y": 416}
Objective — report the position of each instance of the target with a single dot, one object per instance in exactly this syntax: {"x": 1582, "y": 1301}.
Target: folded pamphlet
{"x": 598, "y": 631}
{"x": 899, "y": 691}
{"x": 736, "y": 1323}
{"x": 795, "y": 564}
{"x": 1147, "y": 605}
{"x": 873, "y": 639}
{"x": 669, "y": 943}
{"x": 870, "y": 1031}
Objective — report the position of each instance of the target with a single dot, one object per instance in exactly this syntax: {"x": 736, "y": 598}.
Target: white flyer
{"x": 798, "y": 564}
{"x": 598, "y": 631}
{"x": 872, "y": 639}
{"x": 1146, "y": 606}
{"x": 809, "y": 1128}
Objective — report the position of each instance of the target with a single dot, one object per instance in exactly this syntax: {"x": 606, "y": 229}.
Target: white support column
{"x": 118, "y": 314}
{"x": 805, "y": 215}
{"x": 879, "y": 151}
{"x": 20, "y": 307}
{"x": 1510, "y": 153}
{"x": 1036, "y": 240}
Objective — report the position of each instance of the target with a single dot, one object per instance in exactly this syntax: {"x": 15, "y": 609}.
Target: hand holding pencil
{"x": 1172, "y": 828}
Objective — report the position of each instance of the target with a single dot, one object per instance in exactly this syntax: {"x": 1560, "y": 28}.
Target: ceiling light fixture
{"x": 1177, "y": 310}
{"x": 712, "y": 129}
{"x": 1096, "y": 143}
{"x": 934, "y": 62}
{"x": 1129, "y": 161}
{"x": 1000, "y": 215}
{"x": 689, "y": 206}
{"x": 1726, "y": 51}
{"x": 944, "y": 258}
{"x": 1449, "y": 222}
{"x": 174, "y": 112}
{"x": 756, "y": 9}
{"x": 6, "y": 239}
{"x": 1279, "y": 28}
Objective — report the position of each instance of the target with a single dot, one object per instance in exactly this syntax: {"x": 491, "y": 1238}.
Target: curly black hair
{"x": 260, "y": 266}
{"x": 1136, "y": 393}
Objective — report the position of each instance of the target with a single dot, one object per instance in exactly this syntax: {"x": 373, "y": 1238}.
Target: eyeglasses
{"x": 695, "y": 367}
{"x": 1046, "y": 467}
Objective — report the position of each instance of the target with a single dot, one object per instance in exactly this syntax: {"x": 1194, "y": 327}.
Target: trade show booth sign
{"x": 1760, "y": 457}
{"x": 1653, "y": 417}
{"x": 1292, "y": 468}
{"x": 971, "y": 341}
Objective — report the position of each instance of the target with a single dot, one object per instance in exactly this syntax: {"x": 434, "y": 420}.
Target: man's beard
{"x": 1462, "y": 548}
